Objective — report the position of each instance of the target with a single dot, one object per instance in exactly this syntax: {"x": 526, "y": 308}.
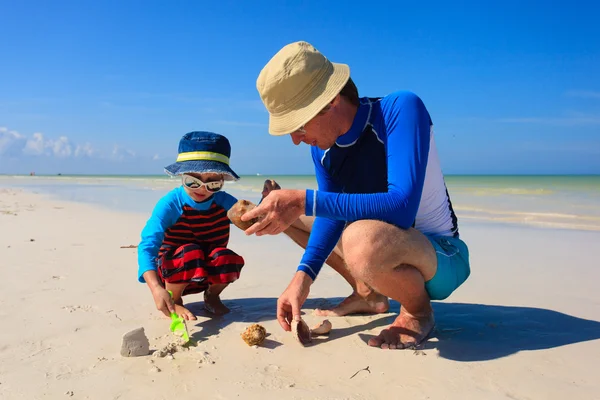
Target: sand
{"x": 524, "y": 326}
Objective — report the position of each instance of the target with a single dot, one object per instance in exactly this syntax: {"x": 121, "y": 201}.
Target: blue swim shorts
{"x": 453, "y": 267}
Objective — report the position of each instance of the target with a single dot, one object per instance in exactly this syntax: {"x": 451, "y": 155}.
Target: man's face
{"x": 321, "y": 131}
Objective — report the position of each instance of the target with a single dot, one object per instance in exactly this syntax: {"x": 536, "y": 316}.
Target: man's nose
{"x": 296, "y": 138}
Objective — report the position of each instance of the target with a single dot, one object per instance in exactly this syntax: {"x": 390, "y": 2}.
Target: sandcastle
{"x": 135, "y": 344}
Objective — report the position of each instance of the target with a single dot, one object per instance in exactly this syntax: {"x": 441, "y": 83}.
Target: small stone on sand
{"x": 135, "y": 344}
{"x": 155, "y": 369}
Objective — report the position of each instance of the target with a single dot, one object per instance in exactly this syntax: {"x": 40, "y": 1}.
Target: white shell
{"x": 322, "y": 329}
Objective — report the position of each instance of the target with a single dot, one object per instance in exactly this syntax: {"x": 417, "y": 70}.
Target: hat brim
{"x": 322, "y": 95}
{"x": 201, "y": 167}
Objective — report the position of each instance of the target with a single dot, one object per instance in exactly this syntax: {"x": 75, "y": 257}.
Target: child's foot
{"x": 184, "y": 312}
{"x": 213, "y": 304}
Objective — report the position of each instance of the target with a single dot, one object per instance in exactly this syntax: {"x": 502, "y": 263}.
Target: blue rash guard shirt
{"x": 377, "y": 170}
{"x": 177, "y": 219}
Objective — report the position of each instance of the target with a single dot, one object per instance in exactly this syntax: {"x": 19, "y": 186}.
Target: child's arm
{"x": 164, "y": 215}
{"x": 162, "y": 298}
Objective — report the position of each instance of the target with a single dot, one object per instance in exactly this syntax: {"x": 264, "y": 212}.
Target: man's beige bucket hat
{"x": 296, "y": 84}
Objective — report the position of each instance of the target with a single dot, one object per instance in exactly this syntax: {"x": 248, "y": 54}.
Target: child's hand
{"x": 163, "y": 300}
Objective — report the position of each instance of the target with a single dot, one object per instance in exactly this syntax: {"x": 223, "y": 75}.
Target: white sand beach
{"x": 524, "y": 326}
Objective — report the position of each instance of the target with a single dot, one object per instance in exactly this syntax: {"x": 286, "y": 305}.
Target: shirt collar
{"x": 358, "y": 125}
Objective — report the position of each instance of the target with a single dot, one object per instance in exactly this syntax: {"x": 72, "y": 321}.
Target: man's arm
{"x": 325, "y": 232}
{"x": 408, "y": 138}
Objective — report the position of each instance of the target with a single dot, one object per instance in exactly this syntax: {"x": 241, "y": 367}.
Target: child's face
{"x": 201, "y": 193}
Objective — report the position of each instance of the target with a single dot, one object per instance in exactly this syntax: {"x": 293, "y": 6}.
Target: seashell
{"x": 237, "y": 210}
{"x": 301, "y": 332}
{"x": 321, "y": 329}
{"x": 254, "y": 335}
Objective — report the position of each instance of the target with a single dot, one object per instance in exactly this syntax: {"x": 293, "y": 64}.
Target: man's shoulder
{"x": 401, "y": 103}
{"x": 399, "y": 98}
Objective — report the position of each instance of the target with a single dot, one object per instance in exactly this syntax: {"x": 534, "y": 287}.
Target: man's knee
{"x": 370, "y": 246}
{"x": 366, "y": 243}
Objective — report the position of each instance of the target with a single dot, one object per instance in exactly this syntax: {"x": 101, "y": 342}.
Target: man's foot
{"x": 407, "y": 331}
{"x": 355, "y": 304}
{"x": 213, "y": 304}
{"x": 184, "y": 312}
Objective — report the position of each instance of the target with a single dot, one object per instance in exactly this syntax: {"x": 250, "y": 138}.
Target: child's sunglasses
{"x": 193, "y": 183}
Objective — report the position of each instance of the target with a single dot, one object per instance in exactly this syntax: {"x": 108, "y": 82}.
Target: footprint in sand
{"x": 205, "y": 359}
{"x": 271, "y": 369}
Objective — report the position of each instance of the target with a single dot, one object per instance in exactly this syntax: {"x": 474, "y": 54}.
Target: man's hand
{"x": 291, "y": 300}
{"x": 277, "y": 212}
{"x": 162, "y": 298}
{"x": 268, "y": 187}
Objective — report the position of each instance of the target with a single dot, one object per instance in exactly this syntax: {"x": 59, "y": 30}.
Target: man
{"x": 380, "y": 188}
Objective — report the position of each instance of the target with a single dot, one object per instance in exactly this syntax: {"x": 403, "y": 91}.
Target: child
{"x": 183, "y": 246}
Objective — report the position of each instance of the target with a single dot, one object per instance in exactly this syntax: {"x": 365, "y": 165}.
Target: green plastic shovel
{"x": 178, "y": 325}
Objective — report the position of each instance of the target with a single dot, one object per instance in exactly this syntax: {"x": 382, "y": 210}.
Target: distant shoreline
{"x": 57, "y": 175}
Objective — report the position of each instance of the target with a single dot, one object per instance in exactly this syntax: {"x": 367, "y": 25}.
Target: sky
{"x": 109, "y": 87}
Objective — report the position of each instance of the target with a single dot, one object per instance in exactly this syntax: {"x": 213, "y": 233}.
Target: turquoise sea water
{"x": 568, "y": 202}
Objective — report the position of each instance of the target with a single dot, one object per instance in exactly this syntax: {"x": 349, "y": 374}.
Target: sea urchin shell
{"x": 254, "y": 335}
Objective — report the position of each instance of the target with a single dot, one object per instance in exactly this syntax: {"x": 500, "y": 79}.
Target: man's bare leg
{"x": 396, "y": 263}
{"x": 363, "y": 298}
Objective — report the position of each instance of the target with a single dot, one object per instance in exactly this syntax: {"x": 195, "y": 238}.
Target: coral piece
{"x": 254, "y": 335}
{"x": 237, "y": 210}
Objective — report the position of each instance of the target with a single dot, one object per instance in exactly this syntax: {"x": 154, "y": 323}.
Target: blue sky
{"x": 110, "y": 86}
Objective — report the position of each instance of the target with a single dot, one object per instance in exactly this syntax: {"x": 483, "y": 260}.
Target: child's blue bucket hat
{"x": 201, "y": 152}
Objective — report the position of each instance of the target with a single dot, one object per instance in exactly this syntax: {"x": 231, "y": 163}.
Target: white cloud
{"x": 584, "y": 94}
{"x": 14, "y": 144}
{"x": 62, "y": 147}
{"x": 119, "y": 153}
{"x": 85, "y": 150}
{"x": 11, "y": 142}
{"x": 35, "y": 146}
{"x": 564, "y": 121}
{"x": 45, "y": 154}
{"x": 38, "y": 145}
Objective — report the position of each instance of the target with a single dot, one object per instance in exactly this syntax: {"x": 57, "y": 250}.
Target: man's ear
{"x": 336, "y": 100}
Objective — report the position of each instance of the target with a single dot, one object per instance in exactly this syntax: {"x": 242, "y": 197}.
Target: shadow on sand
{"x": 464, "y": 332}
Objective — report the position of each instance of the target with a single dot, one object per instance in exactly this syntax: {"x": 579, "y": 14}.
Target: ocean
{"x": 544, "y": 201}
